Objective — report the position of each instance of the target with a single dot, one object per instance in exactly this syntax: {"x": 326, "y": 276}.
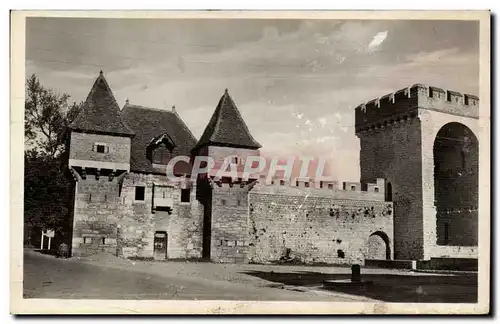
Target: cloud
{"x": 377, "y": 40}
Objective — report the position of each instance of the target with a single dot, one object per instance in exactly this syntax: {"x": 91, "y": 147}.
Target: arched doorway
{"x": 456, "y": 168}
{"x": 378, "y": 247}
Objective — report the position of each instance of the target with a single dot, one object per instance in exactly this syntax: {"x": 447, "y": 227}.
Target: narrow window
{"x": 103, "y": 240}
{"x": 388, "y": 192}
{"x": 296, "y": 183}
{"x": 462, "y": 159}
{"x": 307, "y": 184}
{"x": 139, "y": 193}
{"x": 282, "y": 182}
{"x": 239, "y": 202}
{"x": 446, "y": 233}
{"x": 185, "y": 195}
{"x": 321, "y": 184}
{"x": 223, "y": 202}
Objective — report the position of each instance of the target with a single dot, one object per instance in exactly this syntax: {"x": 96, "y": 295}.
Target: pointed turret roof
{"x": 227, "y": 127}
{"x": 100, "y": 112}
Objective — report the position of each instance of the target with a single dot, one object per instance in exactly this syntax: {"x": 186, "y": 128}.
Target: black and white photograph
{"x": 251, "y": 160}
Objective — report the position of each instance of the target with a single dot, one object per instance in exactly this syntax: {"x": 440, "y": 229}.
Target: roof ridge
{"x": 217, "y": 113}
{"x": 147, "y": 108}
{"x": 175, "y": 113}
{"x": 184, "y": 125}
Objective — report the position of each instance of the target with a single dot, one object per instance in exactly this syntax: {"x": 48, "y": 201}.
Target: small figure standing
{"x": 63, "y": 250}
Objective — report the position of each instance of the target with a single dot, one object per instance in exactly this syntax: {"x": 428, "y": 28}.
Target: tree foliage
{"x": 47, "y": 186}
{"x": 47, "y": 115}
{"x": 47, "y": 194}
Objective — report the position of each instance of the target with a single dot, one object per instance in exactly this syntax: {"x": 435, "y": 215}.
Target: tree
{"x": 47, "y": 187}
{"x": 47, "y": 116}
{"x": 46, "y": 194}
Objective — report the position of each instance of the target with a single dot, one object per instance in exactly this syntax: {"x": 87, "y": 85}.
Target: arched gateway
{"x": 456, "y": 185}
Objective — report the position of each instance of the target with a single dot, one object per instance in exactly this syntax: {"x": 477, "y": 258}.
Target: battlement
{"x": 404, "y": 104}
{"x": 350, "y": 190}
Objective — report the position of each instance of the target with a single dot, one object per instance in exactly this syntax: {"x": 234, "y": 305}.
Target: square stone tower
{"x": 423, "y": 141}
{"x": 99, "y": 157}
{"x": 226, "y": 140}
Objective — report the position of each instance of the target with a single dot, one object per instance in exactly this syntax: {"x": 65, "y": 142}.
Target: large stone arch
{"x": 378, "y": 246}
{"x": 456, "y": 168}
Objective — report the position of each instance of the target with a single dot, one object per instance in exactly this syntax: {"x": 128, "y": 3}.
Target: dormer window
{"x": 161, "y": 155}
{"x": 159, "y": 150}
{"x": 100, "y": 148}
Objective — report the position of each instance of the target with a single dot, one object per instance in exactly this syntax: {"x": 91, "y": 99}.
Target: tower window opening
{"x": 388, "y": 192}
{"x": 139, "y": 193}
{"x": 185, "y": 195}
{"x": 446, "y": 233}
{"x": 100, "y": 148}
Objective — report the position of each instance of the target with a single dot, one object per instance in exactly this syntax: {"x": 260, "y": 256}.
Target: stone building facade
{"x": 126, "y": 205}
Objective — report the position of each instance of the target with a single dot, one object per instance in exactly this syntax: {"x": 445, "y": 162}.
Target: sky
{"x": 295, "y": 82}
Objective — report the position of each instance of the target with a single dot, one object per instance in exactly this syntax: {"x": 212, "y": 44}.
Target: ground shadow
{"x": 48, "y": 252}
{"x": 404, "y": 288}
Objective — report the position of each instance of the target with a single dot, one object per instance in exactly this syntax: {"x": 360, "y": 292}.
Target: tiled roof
{"x": 227, "y": 127}
{"x": 100, "y": 112}
{"x": 150, "y": 123}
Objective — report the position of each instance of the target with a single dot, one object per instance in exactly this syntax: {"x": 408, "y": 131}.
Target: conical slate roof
{"x": 100, "y": 112}
{"x": 227, "y": 128}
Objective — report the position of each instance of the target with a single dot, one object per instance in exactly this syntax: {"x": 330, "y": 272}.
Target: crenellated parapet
{"x": 349, "y": 190}
{"x": 403, "y": 105}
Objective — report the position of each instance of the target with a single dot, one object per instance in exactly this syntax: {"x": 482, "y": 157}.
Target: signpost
{"x": 49, "y": 234}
